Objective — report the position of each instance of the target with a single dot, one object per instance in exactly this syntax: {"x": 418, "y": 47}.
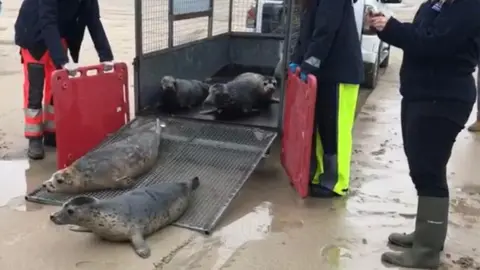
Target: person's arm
{"x": 97, "y": 32}
{"x": 442, "y": 38}
{"x": 329, "y": 16}
{"x": 75, "y": 41}
{"x": 48, "y": 15}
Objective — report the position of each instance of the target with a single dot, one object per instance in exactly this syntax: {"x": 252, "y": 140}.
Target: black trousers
{"x": 429, "y": 131}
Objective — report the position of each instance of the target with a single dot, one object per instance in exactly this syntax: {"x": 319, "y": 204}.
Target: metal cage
{"x": 199, "y": 39}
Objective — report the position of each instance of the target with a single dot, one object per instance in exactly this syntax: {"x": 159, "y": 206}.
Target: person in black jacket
{"x": 440, "y": 53}
{"x": 45, "y": 30}
{"x": 329, "y": 48}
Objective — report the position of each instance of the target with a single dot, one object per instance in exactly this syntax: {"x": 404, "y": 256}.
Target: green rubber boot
{"x": 404, "y": 240}
{"x": 428, "y": 239}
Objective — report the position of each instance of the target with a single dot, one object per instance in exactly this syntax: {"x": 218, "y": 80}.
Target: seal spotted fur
{"x": 114, "y": 166}
{"x": 246, "y": 93}
{"x": 131, "y": 216}
{"x": 178, "y": 94}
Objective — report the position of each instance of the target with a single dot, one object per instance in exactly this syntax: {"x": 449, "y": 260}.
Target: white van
{"x": 268, "y": 16}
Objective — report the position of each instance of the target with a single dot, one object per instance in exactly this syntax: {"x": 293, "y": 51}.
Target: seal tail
{"x": 195, "y": 183}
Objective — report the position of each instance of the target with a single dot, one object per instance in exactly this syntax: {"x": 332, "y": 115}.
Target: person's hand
{"x": 379, "y": 22}
{"x": 107, "y": 66}
{"x": 293, "y": 67}
{"x": 303, "y": 76}
{"x": 71, "y": 68}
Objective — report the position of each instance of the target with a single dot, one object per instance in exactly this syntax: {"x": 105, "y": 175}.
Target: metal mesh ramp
{"x": 222, "y": 156}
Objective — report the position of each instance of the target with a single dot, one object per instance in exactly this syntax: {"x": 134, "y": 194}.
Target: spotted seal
{"x": 178, "y": 94}
{"x": 129, "y": 217}
{"x": 114, "y": 166}
{"x": 248, "y": 92}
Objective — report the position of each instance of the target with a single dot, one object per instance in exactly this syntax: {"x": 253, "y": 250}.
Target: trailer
{"x": 191, "y": 39}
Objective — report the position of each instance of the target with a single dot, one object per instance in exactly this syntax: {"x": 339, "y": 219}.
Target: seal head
{"x": 74, "y": 211}
{"x": 218, "y": 95}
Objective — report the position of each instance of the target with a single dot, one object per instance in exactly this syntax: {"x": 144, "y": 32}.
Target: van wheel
{"x": 386, "y": 61}
{"x": 371, "y": 74}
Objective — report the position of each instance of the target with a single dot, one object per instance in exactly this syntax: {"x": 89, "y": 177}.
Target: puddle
{"x": 12, "y": 181}
{"x": 334, "y": 255}
{"x": 19, "y": 204}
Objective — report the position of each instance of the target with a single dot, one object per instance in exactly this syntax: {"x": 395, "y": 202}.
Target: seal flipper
{"x": 211, "y": 111}
{"x": 274, "y": 100}
{"x": 125, "y": 182}
{"x": 79, "y": 229}
{"x": 140, "y": 245}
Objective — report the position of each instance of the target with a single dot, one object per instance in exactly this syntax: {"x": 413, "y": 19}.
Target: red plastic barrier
{"x": 88, "y": 107}
{"x": 297, "y": 133}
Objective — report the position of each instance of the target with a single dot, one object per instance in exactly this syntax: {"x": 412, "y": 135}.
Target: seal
{"x": 248, "y": 92}
{"x": 179, "y": 94}
{"x": 132, "y": 216}
{"x": 114, "y": 166}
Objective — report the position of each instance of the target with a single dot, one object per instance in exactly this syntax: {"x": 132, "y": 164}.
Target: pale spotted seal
{"x": 114, "y": 166}
{"x": 131, "y": 216}
{"x": 178, "y": 94}
{"x": 248, "y": 92}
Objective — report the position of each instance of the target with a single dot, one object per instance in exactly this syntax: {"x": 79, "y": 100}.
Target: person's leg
{"x": 48, "y": 112}
{"x": 34, "y": 71}
{"x": 334, "y": 117}
{"x": 403, "y": 239}
{"x": 431, "y": 137}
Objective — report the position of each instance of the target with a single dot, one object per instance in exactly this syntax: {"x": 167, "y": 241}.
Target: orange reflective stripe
{"x": 33, "y": 116}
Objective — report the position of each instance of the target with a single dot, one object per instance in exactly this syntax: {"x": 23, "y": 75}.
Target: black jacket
{"x": 41, "y": 25}
{"x": 441, "y": 50}
{"x": 328, "y": 33}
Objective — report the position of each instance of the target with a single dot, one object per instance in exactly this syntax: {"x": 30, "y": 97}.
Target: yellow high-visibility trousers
{"x": 332, "y": 138}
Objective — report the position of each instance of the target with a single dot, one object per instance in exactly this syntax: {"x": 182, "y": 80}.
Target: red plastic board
{"x": 88, "y": 107}
{"x": 298, "y": 117}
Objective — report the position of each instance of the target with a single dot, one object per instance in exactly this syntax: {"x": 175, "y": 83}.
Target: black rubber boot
{"x": 428, "y": 239}
{"x": 49, "y": 139}
{"x": 35, "y": 149}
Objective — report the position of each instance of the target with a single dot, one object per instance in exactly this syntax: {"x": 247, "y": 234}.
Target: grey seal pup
{"x": 114, "y": 166}
{"x": 248, "y": 92}
{"x": 179, "y": 94}
{"x": 129, "y": 217}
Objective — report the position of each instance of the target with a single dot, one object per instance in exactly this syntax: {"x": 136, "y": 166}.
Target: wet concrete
{"x": 267, "y": 226}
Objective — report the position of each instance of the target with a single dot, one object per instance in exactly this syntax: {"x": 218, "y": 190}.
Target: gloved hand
{"x": 306, "y": 69}
{"x": 293, "y": 67}
{"x": 303, "y": 76}
{"x": 71, "y": 68}
{"x": 108, "y": 65}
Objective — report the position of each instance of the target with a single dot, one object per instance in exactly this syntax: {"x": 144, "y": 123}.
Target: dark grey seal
{"x": 131, "y": 216}
{"x": 248, "y": 92}
{"x": 179, "y": 94}
{"x": 114, "y": 166}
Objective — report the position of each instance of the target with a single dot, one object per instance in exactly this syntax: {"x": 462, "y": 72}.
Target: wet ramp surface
{"x": 222, "y": 156}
